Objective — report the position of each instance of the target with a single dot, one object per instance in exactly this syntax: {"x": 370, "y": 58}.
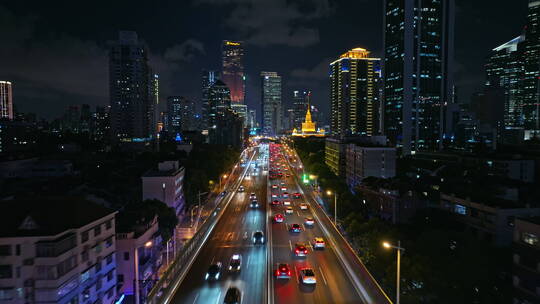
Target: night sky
{"x": 55, "y": 52}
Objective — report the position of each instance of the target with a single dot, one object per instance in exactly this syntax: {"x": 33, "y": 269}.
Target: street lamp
{"x": 148, "y": 244}
{"x": 328, "y": 192}
{"x": 399, "y": 250}
{"x": 224, "y": 176}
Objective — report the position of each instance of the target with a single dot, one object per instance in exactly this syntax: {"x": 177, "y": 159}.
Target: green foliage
{"x": 138, "y": 214}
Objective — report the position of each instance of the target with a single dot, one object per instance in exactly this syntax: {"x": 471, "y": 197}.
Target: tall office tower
{"x": 531, "y": 77}
{"x": 153, "y": 113}
{"x": 242, "y": 112}
{"x": 418, "y": 82}
{"x": 301, "y": 100}
{"x": 6, "y": 100}
{"x": 72, "y": 119}
{"x": 271, "y": 103}
{"x": 208, "y": 80}
{"x": 252, "y": 119}
{"x": 504, "y": 70}
{"x": 353, "y": 92}
{"x": 219, "y": 101}
{"x": 132, "y": 91}
{"x": 288, "y": 122}
{"x": 180, "y": 114}
{"x": 233, "y": 69}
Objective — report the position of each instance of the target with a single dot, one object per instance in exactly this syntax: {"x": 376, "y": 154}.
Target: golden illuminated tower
{"x": 308, "y": 125}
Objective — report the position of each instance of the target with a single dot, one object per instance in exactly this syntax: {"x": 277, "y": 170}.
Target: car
{"x": 309, "y": 221}
{"x": 279, "y": 218}
{"x": 258, "y": 237}
{"x": 303, "y": 206}
{"x": 274, "y": 186}
{"x": 307, "y": 276}
{"x": 241, "y": 189}
{"x": 295, "y": 228}
{"x": 236, "y": 263}
{"x": 287, "y": 175}
{"x": 214, "y": 271}
{"x": 283, "y": 188}
{"x": 285, "y": 195}
{"x": 282, "y": 184}
{"x": 254, "y": 204}
{"x": 286, "y": 203}
{"x": 223, "y": 193}
{"x": 233, "y": 296}
{"x": 283, "y": 271}
{"x": 289, "y": 210}
{"x": 318, "y": 243}
{"x": 297, "y": 195}
{"x": 275, "y": 203}
{"x": 252, "y": 196}
{"x": 300, "y": 249}
{"x": 274, "y": 195}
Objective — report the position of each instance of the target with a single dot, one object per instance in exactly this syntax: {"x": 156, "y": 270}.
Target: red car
{"x": 297, "y": 195}
{"x": 300, "y": 249}
{"x": 276, "y": 203}
{"x": 295, "y": 228}
{"x": 279, "y": 218}
{"x": 283, "y": 271}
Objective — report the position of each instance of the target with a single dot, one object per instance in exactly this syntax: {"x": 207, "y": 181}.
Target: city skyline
{"x": 188, "y": 54}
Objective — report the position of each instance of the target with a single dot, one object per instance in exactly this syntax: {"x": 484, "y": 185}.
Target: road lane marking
{"x": 249, "y": 257}
{"x": 196, "y": 297}
{"x": 290, "y": 244}
{"x": 245, "y": 235}
{"x": 243, "y": 220}
{"x": 322, "y": 274}
{"x": 218, "y": 297}
{"x": 212, "y": 262}
{"x": 296, "y": 275}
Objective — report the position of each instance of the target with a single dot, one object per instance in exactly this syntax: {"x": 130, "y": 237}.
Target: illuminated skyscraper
{"x": 180, "y": 115}
{"x": 208, "y": 80}
{"x": 301, "y": 100}
{"x": 353, "y": 90}
{"x": 531, "y": 77}
{"x": 418, "y": 82}
{"x": 233, "y": 69}
{"x": 271, "y": 103}
{"x": 133, "y": 90}
{"x": 219, "y": 101}
{"x": 6, "y": 100}
{"x": 504, "y": 70}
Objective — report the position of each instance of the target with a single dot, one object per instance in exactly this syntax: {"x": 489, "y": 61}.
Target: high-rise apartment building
{"x": 233, "y": 69}
{"x": 531, "y": 76}
{"x": 208, "y": 80}
{"x": 6, "y": 100}
{"x": 133, "y": 89}
{"x": 504, "y": 70}
{"x": 271, "y": 103}
{"x": 418, "y": 82}
{"x": 301, "y": 101}
{"x": 353, "y": 87}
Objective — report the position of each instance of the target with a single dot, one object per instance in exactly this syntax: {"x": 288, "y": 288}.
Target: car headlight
{"x": 262, "y": 239}
{"x": 230, "y": 267}
{"x": 217, "y": 275}
{"x": 206, "y": 277}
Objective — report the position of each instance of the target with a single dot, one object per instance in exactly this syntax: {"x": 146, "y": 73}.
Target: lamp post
{"x": 399, "y": 250}
{"x": 136, "y": 280}
{"x": 335, "y": 205}
{"x": 224, "y": 176}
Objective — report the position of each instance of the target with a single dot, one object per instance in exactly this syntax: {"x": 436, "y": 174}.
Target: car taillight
{"x": 297, "y": 251}
{"x": 289, "y": 272}
{"x": 277, "y": 272}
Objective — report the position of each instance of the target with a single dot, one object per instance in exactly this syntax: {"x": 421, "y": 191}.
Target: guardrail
{"x": 165, "y": 288}
{"x": 363, "y": 281}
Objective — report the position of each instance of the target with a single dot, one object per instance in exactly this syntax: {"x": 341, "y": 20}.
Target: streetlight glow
{"x": 386, "y": 245}
{"x": 328, "y": 192}
{"x": 148, "y": 244}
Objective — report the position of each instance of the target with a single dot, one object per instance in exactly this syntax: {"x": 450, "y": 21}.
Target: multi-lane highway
{"x": 233, "y": 235}
{"x": 333, "y": 284}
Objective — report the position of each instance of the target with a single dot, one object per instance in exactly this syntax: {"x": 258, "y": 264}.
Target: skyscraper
{"x": 418, "y": 82}
{"x": 353, "y": 90}
{"x": 6, "y": 100}
{"x": 180, "y": 114}
{"x": 132, "y": 89}
{"x": 504, "y": 70}
{"x": 208, "y": 80}
{"x": 301, "y": 100}
{"x": 219, "y": 100}
{"x": 271, "y": 103}
{"x": 233, "y": 69}
{"x": 531, "y": 77}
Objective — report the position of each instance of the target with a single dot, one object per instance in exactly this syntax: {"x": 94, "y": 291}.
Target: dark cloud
{"x": 185, "y": 51}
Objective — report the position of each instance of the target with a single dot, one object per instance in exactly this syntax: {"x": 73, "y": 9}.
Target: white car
{"x": 289, "y": 210}
{"x": 309, "y": 221}
{"x": 286, "y": 203}
{"x": 283, "y": 188}
{"x": 307, "y": 276}
{"x": 241, "y": 189}
{"x": 303, "y": 206}
{"x": 252, "y": 196}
